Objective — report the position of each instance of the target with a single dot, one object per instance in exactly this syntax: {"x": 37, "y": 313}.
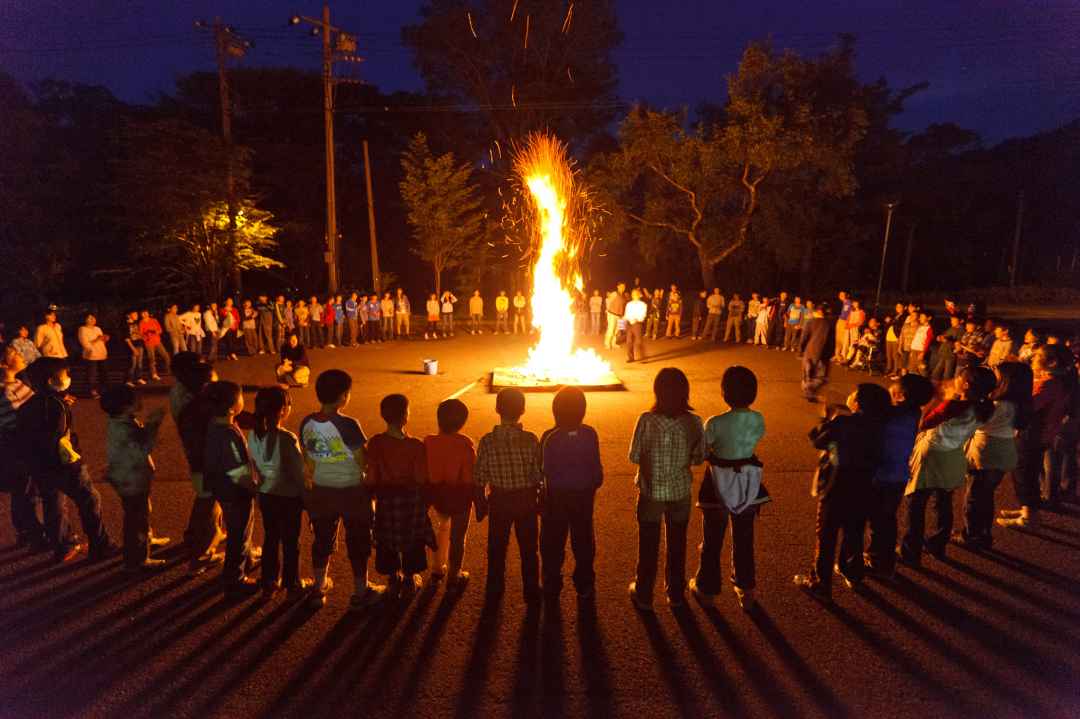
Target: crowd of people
{"x": 962, "y": 410}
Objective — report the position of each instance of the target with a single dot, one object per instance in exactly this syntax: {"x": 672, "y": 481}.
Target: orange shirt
{"x": 450, "y": 458}
{"x": 394, "y": 462}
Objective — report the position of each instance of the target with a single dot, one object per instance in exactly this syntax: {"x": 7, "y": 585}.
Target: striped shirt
{"x": 15, "y": 395}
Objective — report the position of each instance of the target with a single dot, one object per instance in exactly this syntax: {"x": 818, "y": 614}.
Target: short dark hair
{"x": 331, "y": 385}
{"x": 739, "y": 386}
{"x": 510, "y": 403}
{"x": 221, "y": 396}
{"x": 918, "y": 390}
{"x": 393, "y": 408}
{"x": 451, "y": 415}
{"x": 672, "y": 391}
{"x": 43, "y": 369}
{"x": 873, "y": 400}
{"x": 1016, "y": 387}
{"x": 195, "y": 376}
{"x": 117, "y": 398}
{"x": 568, "y": 407}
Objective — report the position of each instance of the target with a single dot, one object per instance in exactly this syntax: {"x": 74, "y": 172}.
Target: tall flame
{"x": 546, "y": 173}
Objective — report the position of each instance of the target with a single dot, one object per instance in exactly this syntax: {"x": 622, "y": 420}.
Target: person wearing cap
{"x": 46, "y": 430}
{"x": 49, "y": 338}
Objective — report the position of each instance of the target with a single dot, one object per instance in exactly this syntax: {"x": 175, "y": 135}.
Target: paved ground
{"x": 978, "y": 635}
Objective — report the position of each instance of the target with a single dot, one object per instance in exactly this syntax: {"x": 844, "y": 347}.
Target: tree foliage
{"x": 443, "y": 208}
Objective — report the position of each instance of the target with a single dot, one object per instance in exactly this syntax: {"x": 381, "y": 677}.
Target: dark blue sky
{"x": 1001, "y": 67}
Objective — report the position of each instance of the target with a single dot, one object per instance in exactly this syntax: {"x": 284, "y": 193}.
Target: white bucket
{"x": 431, "y": 366}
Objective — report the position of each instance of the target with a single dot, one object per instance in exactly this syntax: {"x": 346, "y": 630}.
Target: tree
{"x": 526, "y": 65}
{"x": 703, "y": 185}
{"x": 443, "y": 208}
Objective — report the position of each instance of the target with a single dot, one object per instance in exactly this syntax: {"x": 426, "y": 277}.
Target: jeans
{"x": 474, "y": 323}
{"x": 1050, "y": 482}
{"x": 388, "y": 327}
{"x": 635, "y": 342}
{"x": 502, "y": 322}
{"x": 239, "y": 519}
{"x": 135, "y": 368}
{"x": 95, "y": 375}
{"x": 814, "y": 376}
{"x": 1028, "y": 473}
{"x": 674, "y": 326}
{"x": 884, "y": 504}
{"x": 412, "y": 561}
{"x": 305, "y": 335}
{"x": 176, "y": 342}
{"x": 153, "y": 353}
{"x": 513, "y": 509}
{"x": 611, "y": 334}
{"x": 357, "y": 542}
{"x": 979, "y": 505}
{"x": 734, "y": 326}
{"x": 266, "y": 335}
{"x": 843, "y": 340}
{"x": 790, "y": 334}
{"x": 714, "y": 523}
{"x": 914, "y": 542}
{"x": 354, "y": 331}
{"x": 212, "y": 352}
{"x": 676, "y": 517}
{"x": 339, "y": 333}
{"x": 194, "y": 344}
{"x": 652, "y": 326}
{"x": 72, "y": 480}
{"x": 893, "y": 363}
{"x": 450, "y": 531}
{"x": 594, "y": 323}
{"x": 447, "y": 323}
{"x": 519, "y": 320}
{"x": 944, "y": 366}
{"x": 568, "y": 513}
{"x": 136, "y": 529}
{"x": 281, "y": 539}
{"x": 251, "y": 341}
{"x": 402, "y": 324}
{"x": 839, "y": 512}
{"x": 712, "y": 326}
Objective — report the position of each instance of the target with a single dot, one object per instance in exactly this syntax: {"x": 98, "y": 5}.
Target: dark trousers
{"x": 712, "y": 326}
{"x": 204, "y": 531}
{"x": 412, "y": 561}
{"x": 374, "y": 330}
{"x": 24, "y": 506}
{"x": 1050, "y": 479}
{"x": 354, "y": 331}
{"x": 266, "y": 335}
{"x": 944, "y": 366}
{"x": 239, "y": 517}
{"x": 635, "y": 341}
{"x": 1065, "y": 446}
{"x": 914, "y": 540}
{"x": 814, "y": 376}
{"x": 568, "y": 513}
{"x": 1028, "y": 473}
{"x": 714, "y": 524}
{"x": 95, "y": 375}
{"x": 515, "y": 510}
{"x": 357, "y": 542}
{"x": 884, "y": 504}
{"x": 791, "y": 334}
{"x": 281, "y": 539}
{"x": 839, "y": 512}
{"x": 339, "y": 333}
{"x": 136, "y": 529}
{"x": 72, "y": 480}
{"x": 676, "y": 517}
{"x": 135, "y": 367}
{"x": 979, "y": 504}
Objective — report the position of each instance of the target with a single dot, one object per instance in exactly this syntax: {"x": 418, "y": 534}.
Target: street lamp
{"x": 889, "y": 207}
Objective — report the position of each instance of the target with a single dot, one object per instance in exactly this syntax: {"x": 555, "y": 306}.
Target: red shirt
{"x": 1048, "y": 405}
{"x": 395, "y": 462}
{"x": 150, "y": 329}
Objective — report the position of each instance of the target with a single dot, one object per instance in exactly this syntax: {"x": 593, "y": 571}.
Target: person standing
{"x": 476, "y": 313}
{"x": 387, "y": 307}
{"x": 674, "y": 315}
{"x": 668, "y": 440}
{"x": 793, "y": 323}
{"x": 508, "y": 468}
{"x": 94, "y": 351}
{"x": 174, "y": 330}
{"x": 134, "y": 341}
{"x": 572, "y": 475}
{"x": 315, "y": 322}
{"x": 373, "y": 310}
{"x": 230, "y": 328}
{"x": 352, "y": 316}
{"x": 303, "y": 323}
{"x": 615, "y": 306}
{"x": 446, "y": 307}
{"x": 212, "y": 330}
{"x": 402, "y": 314}
{"x": 279, "y": 322}
{"x": 945, "y": 360}
{"x": 596, "y": 309}
{"x": 49, "y": 338}
{"x": 520, "y": 304}
{"x": 907, "y": 335}
{"x": 153, "y": 349}
{"x": 655, "y": 310}
{"x": 736, "y": 309}
{"x": 248, "y": 323}
{"x": 713, "y": 311}
{"x": 920, "y": 345}
{"x": 761, "y": 323}
{"x": 699, "y": 313}
{"x": 191, "y": 323}
{"x": 855, "y": 322}
{"x": 338, "y": 316}
{"x": 842, "y": 339}
{"x": 634, "y": 317}
{"x": 432, "y": 307}
{"x": 778, "y": 321}
{"x": 451, "y": 461}
{"x": 25, "y": 500}
{"x": 266, "y": 325}
{"x": 753, "y": 308}
{"x": 893, "y": 360}
{"x": 814, "y": 345}
{"x": 25, "y": 347}
{"x": 502, "y": 313}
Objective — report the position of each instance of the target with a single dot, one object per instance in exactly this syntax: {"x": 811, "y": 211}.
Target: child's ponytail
{"x": 269, "y": 401}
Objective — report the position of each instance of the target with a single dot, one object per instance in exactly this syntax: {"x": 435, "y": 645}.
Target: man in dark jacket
{"x": 815, "y": 367}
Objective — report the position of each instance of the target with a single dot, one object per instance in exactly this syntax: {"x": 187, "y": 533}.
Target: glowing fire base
{"x": 502, "y": 377}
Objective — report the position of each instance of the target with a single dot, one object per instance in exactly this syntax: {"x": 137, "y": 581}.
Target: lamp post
{"x": 889, "y": 207}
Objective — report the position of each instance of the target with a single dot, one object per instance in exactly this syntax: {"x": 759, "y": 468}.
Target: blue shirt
{"x": 339, "y": 313}
{"x": 571, "y": 458}
{"x": 795, "y": 314}
{"x": 350, "y": 309}
{"x": 845, "y": 309}
{"x": 900, "y": 432}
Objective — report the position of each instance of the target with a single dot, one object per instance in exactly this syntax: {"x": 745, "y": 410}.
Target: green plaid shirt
{"x": 665, "y": 448}
{"x": 508, "y": 457}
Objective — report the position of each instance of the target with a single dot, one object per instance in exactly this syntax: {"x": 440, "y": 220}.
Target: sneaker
{"x": 812, "y": 587}
{"x": 457, "y": 583}
{"x": 131, "y": 384}
{"x": 159, "y": 541}
{"x": 232, "y": 356}
{"x": 849, "y": 582}
{"x": 702, "y": 598}
{"x": 745, "y": 598}
{"x": 241, "y": 590}
{"x": 94, "y": 394}
{"x": 69, "y": 552}
{"x": 297, "y": 591}
{"x": 372, "y": 595}
{"x": 413, "y": 583}
{"x": 1013, "y": 522}
{"x": 639, "y": 604}
{"x": 318, "y": 594}
{"x": 155, "y": 377}
{"x": 1011, "y": 513}
{"x": 200, "y": 565}
{"x": 140, "y": 381}
{"x": 150, "y": 565}
{"x": 437, "y": 575}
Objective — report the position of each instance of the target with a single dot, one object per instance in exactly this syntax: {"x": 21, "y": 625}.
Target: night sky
{"x": 1003, "y": 68}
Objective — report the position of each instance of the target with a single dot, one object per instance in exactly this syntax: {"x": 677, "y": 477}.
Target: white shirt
{"x": 210, "y": 321}
{"x": 596, "y": 303}
{"x": 636, "y": 310}
{"x": 191, "y": 323}
{"x": 1000, "y": 424}
{"x": 50, "y": 340}
{"x": 92, "y": 349}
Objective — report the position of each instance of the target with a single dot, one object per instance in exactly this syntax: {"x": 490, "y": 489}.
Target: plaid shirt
{"x": 665, "y": 448}
{"x": 508, "y": 458}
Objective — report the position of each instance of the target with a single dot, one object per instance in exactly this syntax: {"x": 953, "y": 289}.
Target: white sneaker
{"x": 140, "y": 381}
{"x": 156, "y": 378}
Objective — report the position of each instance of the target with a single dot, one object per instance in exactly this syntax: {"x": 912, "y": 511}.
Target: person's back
{"x": 816, "y": 338}
{"x": 571, "y": 458}
{"x": 853, "y": 448}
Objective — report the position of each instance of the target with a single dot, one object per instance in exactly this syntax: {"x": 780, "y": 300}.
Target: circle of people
{"x": 997, "y": 412}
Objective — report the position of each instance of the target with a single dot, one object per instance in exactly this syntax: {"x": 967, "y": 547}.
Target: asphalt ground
{"x": 976, "y": 635}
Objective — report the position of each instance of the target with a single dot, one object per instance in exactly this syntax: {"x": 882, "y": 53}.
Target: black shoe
{"x": 814, "y": 588}
{"x": 103, "y": 553}
{"x": 908, "y": 561}
{"x": 242, "y": 589}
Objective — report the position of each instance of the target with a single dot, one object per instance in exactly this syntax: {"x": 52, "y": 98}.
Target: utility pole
{"x": 336, "y": 44}
{"x": 907, "y": 258}
{"x": 889, "y": 207}
{"x": 371, "y": 223}
{"x": 1016, "y": 237}
{"x": 227, "y": 44}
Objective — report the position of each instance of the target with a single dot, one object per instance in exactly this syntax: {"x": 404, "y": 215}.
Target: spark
{"x": 527, "y": 19}
{"x": 569, "y": 74}
{"x": 513, "y": 96}
{"x": 569, "y": 16}
{"x": 513, "y": 11}
{"x": 472, "y": 28}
